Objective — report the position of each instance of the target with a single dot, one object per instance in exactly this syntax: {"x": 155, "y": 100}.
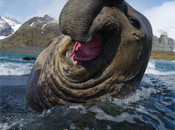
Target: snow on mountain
{"x": 31, "y": 25}
{"x": 13, "y": 23}
{"x": 8, "y": 26}
{"x": 169, "y": 31}
{"x": 5, "y": 28}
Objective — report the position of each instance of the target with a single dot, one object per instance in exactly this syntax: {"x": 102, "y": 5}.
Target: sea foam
{"x": 16, "y": 66}
{"x": 9, "y": 68}
{"x": 152, "y": 69}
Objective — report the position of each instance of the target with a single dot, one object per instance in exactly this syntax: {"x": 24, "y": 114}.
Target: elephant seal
{"x": 104, "y": 52}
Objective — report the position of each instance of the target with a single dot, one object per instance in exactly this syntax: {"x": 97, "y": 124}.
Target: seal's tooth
{"x": 64, "y": 43}
{"x": 75, "y": 63}
{"x": 68, "y": 55}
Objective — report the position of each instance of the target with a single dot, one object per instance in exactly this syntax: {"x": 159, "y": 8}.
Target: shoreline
{"x": 162, "y": 55}
{"x": 158, "y": 55}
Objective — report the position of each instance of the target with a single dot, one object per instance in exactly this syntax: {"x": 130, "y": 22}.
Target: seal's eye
{"x": 134, "y": 22}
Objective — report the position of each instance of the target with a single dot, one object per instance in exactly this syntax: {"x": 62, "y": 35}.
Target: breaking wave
{"x": 151, "y": 106}
{"x": 161, "y": 67}
{"x": 9, "y": 68}
{"x": 14, "y": 65}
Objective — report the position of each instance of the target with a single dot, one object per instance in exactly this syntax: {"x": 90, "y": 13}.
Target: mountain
{"x": 8, "y": 26}
{"x": 32, "y": 37}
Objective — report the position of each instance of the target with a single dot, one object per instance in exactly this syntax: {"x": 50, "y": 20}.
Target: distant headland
{"x": 163, "y": 48}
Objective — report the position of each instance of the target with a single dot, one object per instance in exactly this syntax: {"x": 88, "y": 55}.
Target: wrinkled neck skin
{"x": 116, "y": 72}
{"x": 120, "y": 64}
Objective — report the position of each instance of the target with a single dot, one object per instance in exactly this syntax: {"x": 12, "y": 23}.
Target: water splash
{"x": 152, "y": 69}
{"x": 9, "y": 68}
{"x": 150, "y": 107}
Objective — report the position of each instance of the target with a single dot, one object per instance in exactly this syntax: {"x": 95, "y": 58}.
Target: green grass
{"x": 163, "y": 55}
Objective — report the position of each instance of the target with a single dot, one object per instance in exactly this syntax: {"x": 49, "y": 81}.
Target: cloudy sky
{"x": 161, "y": 13}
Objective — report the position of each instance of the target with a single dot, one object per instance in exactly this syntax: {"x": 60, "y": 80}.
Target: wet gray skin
{"x": 117, "y": 71}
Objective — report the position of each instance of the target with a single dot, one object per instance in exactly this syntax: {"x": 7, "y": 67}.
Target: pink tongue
{"x": 87, "y": 52}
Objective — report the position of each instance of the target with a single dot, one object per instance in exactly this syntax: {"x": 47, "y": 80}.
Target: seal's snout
{"x": 90, "y": 19}
{"x": 77, "y": 25}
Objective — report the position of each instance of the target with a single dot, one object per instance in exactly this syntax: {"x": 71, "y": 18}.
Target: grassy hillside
{"x": 163, "y": 55}
{"x": 35, "y": 34}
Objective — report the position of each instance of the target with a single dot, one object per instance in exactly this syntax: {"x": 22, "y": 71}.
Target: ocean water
{"x": 152, "y": 106}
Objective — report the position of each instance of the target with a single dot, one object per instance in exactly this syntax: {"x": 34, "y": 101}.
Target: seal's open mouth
{"x": 87, "y": 52}
{"x": 79, "y": 62}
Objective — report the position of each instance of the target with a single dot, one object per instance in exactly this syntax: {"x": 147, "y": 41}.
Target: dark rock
{"x": 29, "y": 58}
{"x": 13, "y": 20}
{"x": 48, "y": 18}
